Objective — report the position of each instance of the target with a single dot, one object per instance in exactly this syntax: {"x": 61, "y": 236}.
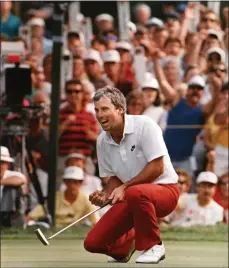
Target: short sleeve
{"x": 105, "y": 168}
{"x": 152, "y": 141}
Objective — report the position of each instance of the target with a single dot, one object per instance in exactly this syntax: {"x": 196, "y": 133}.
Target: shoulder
{"x": 216, "y": 206}
{"x": 145, "y": 121}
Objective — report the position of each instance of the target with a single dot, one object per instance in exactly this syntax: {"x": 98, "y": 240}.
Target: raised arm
{"x": 169, "y": 92}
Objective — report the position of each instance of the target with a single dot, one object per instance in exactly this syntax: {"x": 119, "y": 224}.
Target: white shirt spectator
{"x": 154, "y": 112}
{"x": 10, "y": 173}
{"x": 194, "y": 214}
{"x": 142, "y": 142}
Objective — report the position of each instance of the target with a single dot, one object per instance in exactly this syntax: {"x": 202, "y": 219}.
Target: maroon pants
{"x": 136, "y": 218}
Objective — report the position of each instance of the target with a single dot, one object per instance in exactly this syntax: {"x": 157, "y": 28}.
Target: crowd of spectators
{"x": 184, "y": 89}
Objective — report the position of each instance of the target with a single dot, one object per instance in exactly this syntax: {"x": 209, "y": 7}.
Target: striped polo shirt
{"x": 75, "y": 134}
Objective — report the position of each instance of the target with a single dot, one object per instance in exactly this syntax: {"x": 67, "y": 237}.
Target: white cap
{"x": 150, "y": 82}
{"x": 155, "y": 21}
{"x": 111, "y": 56}
{"x": 219, "y": 51}
{"x": 207, "y": 176}
{"x": 104, "y": 16}
{"x": 197, "y": 80}
{"x": 75, "y": 155}
{"x": 73, "y": 173}
{"x": 216, "y": 33}
{"x": 92, "y": 54}
{"x": 132, "y": 27}
{"x": 5, "y": 155}
{"x": 36, "y": 22}
{"x": 123, "y": 45}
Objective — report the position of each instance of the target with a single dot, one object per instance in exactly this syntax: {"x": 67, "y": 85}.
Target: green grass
{"x": 70, "y": 253}
{"x": 198, "y": 233}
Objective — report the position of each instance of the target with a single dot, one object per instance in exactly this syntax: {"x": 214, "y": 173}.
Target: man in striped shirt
{"x": 78, "y": 128}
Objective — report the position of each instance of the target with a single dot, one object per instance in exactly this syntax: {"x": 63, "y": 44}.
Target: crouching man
{"x": 11, "y": 197}
{"x": 142, "y": 185}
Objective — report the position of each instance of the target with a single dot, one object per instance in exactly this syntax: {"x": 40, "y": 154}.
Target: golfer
{"x": 142, "y": 182}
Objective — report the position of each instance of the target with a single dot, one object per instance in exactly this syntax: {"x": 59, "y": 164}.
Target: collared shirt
{"x": 142, "y": 142}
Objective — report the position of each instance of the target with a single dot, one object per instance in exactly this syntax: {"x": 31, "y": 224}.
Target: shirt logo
{"x": 132, "y": 148}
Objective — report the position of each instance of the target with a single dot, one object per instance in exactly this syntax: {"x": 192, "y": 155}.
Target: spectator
{"x": 221, "y": 194}
{"x": 98, "y": 43}
{"x": 75, "y": 45}
{"x": 39, "y": 84}
{"x": 150, "y": 89}
{"x": 180, "y": 155}
{"x": 47, "y": 66}
{"x": 200, "y": 208}
{"x": 172, "y": 23}
{"x": 93, "y": 67}
{"x": 38, "y": 29}
{"x": 142, "y": 14}
{"x": 10, "y": 24}
{"x": 78, "y": 128}
{"x": 71, "y": 204}
{"x": 78, "y": 71}
{"x": 89, "y": 91}
{"x": 11, "y": 196}
{"x": 33, "y": 60}
{"x": 210, "y": 21}
{"x": 104, "y": 22}
{"x": 173, "y": 47}
{"x": 160, "y": 36}
{"x": 152, "y": 25}
{"x": 135, "y": 103}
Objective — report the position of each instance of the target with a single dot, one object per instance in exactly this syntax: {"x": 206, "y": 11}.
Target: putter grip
{"x": 108, "y": 202}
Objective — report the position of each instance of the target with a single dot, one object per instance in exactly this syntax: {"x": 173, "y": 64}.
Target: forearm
{"x": 112, "y": 183}
{"x": 12, "y": 181}
{"x": 184, "y": 30}
{"x": 192, "y": 56}
{"x": 149, "y": 174}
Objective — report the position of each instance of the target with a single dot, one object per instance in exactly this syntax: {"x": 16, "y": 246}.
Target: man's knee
{"x": 133, "y": 194}
{"x": 92, "y": 244}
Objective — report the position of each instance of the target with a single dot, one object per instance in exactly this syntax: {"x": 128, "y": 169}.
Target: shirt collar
{"x": 128, "y": 129}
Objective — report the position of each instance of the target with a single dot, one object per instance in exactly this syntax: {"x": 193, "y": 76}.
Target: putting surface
{"x": 71, "y": 253}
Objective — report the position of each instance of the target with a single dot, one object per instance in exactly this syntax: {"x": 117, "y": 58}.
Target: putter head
{"x": 41, "y": 237}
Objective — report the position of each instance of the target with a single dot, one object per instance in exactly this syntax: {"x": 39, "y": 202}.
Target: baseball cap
{"x": 92, "y": 54}
{"x": 207, "y": 176}
{"x": 150, "y": 82}
{"x": 155, "y": 21}
{"x": 36, "y": 22}
{"x": 196, "y": 80}
{"x": 132, "y": 27}
{"x": 123, "y": 45}
{"x": 73, "y": 173}
{"x": 104, "y": 16}
{"x": 215, "y": 33}
{"x": 219, "y": 51}
{"x": 5, "y": 155}
{"x": 111, "y": 56}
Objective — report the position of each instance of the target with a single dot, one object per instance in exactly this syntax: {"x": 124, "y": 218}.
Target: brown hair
{"x": 135, "y": 95}
{"x": 173, "y": 40}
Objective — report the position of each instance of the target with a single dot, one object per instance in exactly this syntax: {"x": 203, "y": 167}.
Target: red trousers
{"x": 134, "y": 219}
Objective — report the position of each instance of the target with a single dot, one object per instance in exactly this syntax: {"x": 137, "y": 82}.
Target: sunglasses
{"x": 72, "y": 91}
{"x": 182, "y": 182}
{"x": 112, "y": 37}
{"x": 199, "y": 88}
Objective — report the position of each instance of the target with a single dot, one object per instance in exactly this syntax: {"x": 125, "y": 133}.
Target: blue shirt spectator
{"x": 10, "y": 24}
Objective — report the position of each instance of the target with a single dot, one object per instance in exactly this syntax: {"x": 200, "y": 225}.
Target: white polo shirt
{"x": 142, "y": 142}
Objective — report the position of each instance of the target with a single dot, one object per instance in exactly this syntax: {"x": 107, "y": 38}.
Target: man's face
{"x": 37, "y": 31}
{"x": 210, "y": 21}
{"x": 74, "y": 94}
{"x": 73, "y": 186}
{"x": 173, "y": 49}
{"x": 111, "y": 68}
{"x": 160, "y": 37}
{"x": 75, "y": 162}
{"x": 143, "y": 15}
{"x": 107, "y": 114}
{"x": 92, "y": 67}
{"x": 183, "y": 184}
{"x": 3, "y": 167}
{"x": 194, "y": 94}
{"x": 78, "y": 68}
{"x": 75, "y": 46}
{"x": 104, "y": 25}
{"x": 205, "y": 191}
{"x": 173, "y": 26}
{"x": 171, "y": 70}
{"x": 5, "y": 7}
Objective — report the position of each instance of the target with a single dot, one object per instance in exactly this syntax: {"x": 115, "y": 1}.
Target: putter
{"x": 45, "y": 241}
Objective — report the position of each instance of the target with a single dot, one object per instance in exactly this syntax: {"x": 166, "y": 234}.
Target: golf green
{"x": 71, "y": 253}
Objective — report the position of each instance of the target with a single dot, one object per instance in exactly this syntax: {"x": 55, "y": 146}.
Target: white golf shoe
{"x": 152, "y": 255}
